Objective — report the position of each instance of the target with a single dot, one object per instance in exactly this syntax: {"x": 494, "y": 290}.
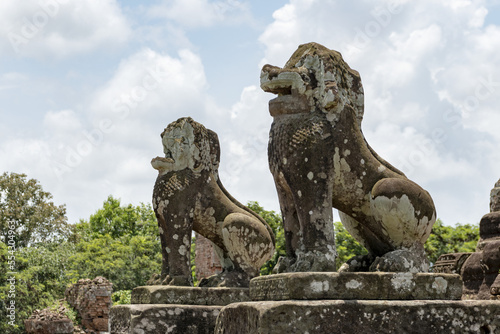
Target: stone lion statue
{"x": 320, "y": 159}
{"x": 188, "y": 195}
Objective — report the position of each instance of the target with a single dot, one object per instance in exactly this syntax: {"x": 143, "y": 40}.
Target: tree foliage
{"x": 118, "y": 242}
{"x": 127, "y": 262}
{"x": 448, "y": 239}
{"x": 38, "y": 281}
{"x": 26, "y": 211}
{"x": 118, "y": 221}
{"x": 346, "y": 245}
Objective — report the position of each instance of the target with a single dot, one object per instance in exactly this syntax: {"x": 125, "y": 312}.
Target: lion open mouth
{"x": 290, "y": 88}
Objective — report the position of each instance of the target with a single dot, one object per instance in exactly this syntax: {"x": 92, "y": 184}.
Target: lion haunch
{"x": 320, "y": 159}
{"x": 188, "y": 195}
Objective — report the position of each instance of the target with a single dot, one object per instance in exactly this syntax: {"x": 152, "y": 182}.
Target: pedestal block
{"x": 63, "y": 326}
{"x": 163, "y": 318}
{"x": 365, "y": 286}
{"x": 173, "y": 310}
{"x": 359, "y": 316}
{"x": 164, "y": 294}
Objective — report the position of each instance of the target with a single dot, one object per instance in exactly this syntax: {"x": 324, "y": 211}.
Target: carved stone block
{"x": 359, "y": 316}
{"x": 365, "y": 286}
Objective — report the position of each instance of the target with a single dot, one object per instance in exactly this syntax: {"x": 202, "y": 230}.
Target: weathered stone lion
{"x": 319, "y": 158}
{"x": 188, "y": 195}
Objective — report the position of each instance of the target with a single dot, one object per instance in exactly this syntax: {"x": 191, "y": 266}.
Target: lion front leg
{"x": 175, "y": 234}
{"x": 291, "y": 226}
{"x": 314, "y": 248}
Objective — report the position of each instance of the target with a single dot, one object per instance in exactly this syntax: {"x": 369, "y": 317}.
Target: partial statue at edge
{"x": 320, "y": 159}
{"x": 188, "y": 195}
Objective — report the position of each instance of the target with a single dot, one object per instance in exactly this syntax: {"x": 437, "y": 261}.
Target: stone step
{"x": 359, "y": 316}
{"x": 362, "y": 286}
{"x": 156, "y": 319}
{"x": 166, "y": 294}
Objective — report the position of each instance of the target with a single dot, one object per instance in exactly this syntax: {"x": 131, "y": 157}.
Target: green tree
{"x": 127, "y": 262}
{"x": 117, "y": 220}
{"x": 346, "y": 245}
{"x": 39, "y": 280}
{"x": 118, "y": 242}
{"x": 448, "y": 239}
{"x": 27, "y": 216}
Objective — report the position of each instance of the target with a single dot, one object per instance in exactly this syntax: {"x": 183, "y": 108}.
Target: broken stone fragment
{"x": 481, "y": 270}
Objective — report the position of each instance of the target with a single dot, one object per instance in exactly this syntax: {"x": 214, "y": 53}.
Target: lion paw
{"x": 305, "y": 262}
{"x": 401, "y": 260}
{"x": 358, "y": 263}
{"x": 177, "y": 281}
{"x": 234, "y": 278}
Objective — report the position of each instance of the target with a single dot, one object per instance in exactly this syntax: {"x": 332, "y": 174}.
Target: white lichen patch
{"x": 353, "y": 284}
{"x": 381, "y": 168}
{"x": 402, "y": 281}
{"x": 299, "y": 193}
{"x": 397, "y": 218}
{"x": 182, "y": 250}
{"x": 440, "y": 285}
{"x": 310, "y": 175}
{"x": 331, "y": 254}
{"x": 318, "y": 287}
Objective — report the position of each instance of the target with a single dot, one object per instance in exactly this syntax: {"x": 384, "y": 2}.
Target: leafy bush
{"x": 121, "y": 297}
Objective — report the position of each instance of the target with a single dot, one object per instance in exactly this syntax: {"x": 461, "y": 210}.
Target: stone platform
{"x": 164, "y": 294}
{"x": 62, "y": 326}
{"x": 173, "y": 310}
{"x": 363, "y": 286}
{"x": 359, "y": 316}
{"x": 163, "y": 318}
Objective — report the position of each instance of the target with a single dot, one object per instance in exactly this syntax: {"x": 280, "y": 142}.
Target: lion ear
{"x": 213, "y": 140}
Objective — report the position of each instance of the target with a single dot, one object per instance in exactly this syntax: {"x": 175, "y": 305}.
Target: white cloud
{"x": 202, "y": 13}
{"x": 244, "y": 169}
{"x": 149, "y": 89}
{"x": 57, "y": 28}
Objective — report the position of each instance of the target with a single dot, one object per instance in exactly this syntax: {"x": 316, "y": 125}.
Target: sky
{"x": 86, "y": 88}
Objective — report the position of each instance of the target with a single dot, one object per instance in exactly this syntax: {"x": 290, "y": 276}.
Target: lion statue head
{"x": 314, "y": 78}
{"x": 188, "y": 145}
